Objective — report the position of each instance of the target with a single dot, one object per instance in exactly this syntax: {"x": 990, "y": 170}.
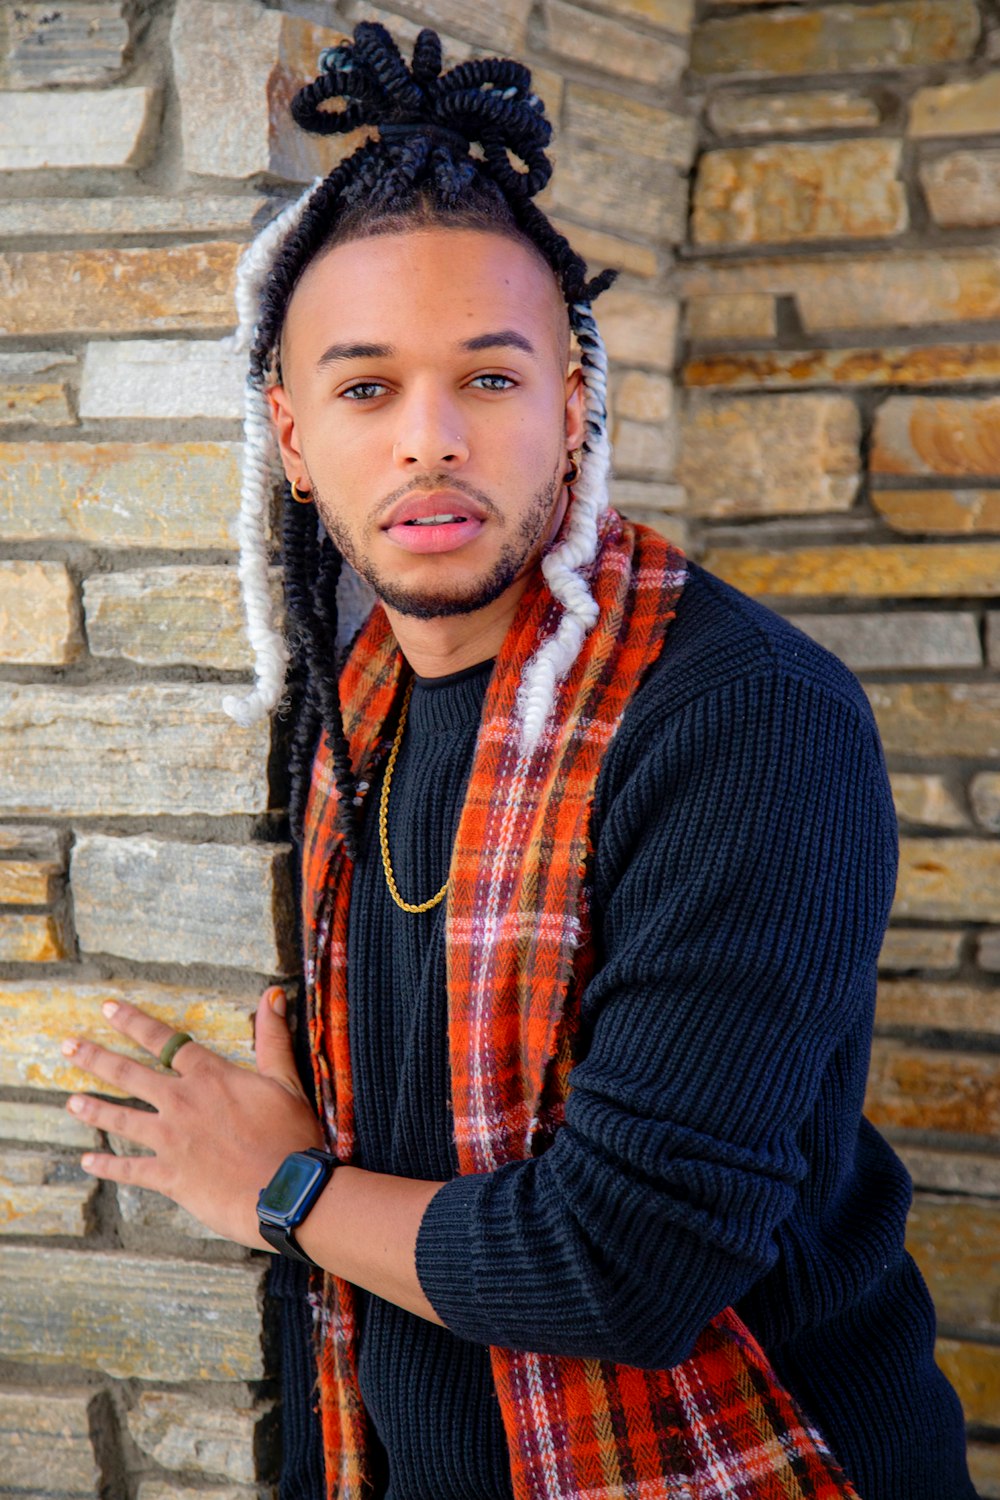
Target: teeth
{"x": 434, "y": 520}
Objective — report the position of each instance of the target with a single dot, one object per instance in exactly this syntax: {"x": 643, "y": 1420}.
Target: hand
{"x": 219, "y": 1132}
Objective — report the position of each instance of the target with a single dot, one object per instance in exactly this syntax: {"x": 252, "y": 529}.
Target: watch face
{"x": 293, "y": 1188}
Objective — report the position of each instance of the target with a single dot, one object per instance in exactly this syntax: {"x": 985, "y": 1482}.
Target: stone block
{"x": 639, "y": 329}
{"x": 904, "y": 640}
{"x": 103, "y": 290}
{"x": 673, "y": 528}
{"x": 943, "y": 1006}
{"x": 838, "y": 39}
{"x": 171, "y": 615}
{"x": 751, "y": 195}
{"x": 963, "y": 188}
{"x": 181, "y": 1432}
{"x": 643, "y": 397}
{"x": 644, "y": 448}
{"x": 156, "y": 1489}
{"x": 887, "y": 290}
{"x": 46, "y": 1444}
{"x": 494, "y": 28}
{"x": 601, "y": 249}
{"x": 993, "y": 638}
{"x": 148, "y": 1221}
{"x": 610, "y": 45}
{"x": 632, "y": 495}
{"x": 178, "y": 903}
{"x": 72, "y": 751}
{"x": 984, "y": 1469}
{"x": 32, "y": 841}
{"x": 44, "y": 1124}
{"x": 791, "y": 114}
{"x": 967, "y": 107}
{"x": 618, "y": 122}
{"x": 955, "y": 511}
{"x": 33, "y": 391}
{"x": 600, "y": 185}
{"x": 927, "y": 799}
{"x": 672, "y": 15}
{"x": 948, "y": 880}
{"x": 77, "y": 130}
{"x": 163, "y": 495}
{"x": 954, "y": 435}
{"x": 39, "y": 614}
{"x": 918, "y": 1088}
{"x": 984, "y": 794}
{"x": 32, "y": 938}
{"x": 741, "y": 315}
{"x": 130, "y": 1316}
{"x": 163, "y": 379}
{"x": 952, "y": 1171}
{"x": 954, "y": 1244}
{"x": 974, "y": 1371}
{"x": 802, "y": 369}
{"x": 775, "y": 455}
{"x": 149, "y": 215}
{"x": 865, "y": 572}
{"x": 46, "y": 44}
{"x": 920, "y": 949}
{"x": 37, "y": 1017}
{"x": 988, "y": 952}
{"x": 41, "y": 1195}
{"x": 947, "y": 718}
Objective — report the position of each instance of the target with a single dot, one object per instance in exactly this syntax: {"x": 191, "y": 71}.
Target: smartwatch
{"x": 288, "y": 1197}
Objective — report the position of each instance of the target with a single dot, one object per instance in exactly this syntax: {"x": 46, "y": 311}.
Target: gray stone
{"x": 73, "y": 750}
{"x": 42, "y": 1195}
{"x": 181, "y": 1432}
{"x": 45, "y": 1443}
{"x": 75, "y": 130}
{"x": 970, "y": 1172}
{"x": 988, "y": 953}
{"x": 165, "y": 616}
{"x": 211, "y": 214}
{"x": 163, "y": 379}
{"x": 791, "y": 114}
{"x": 586, "y": 37}
{"x": 615, "y": 120}
{"x": 46, "y": 44}
{"x": 44, "y": 1124}
{"x": 984, "y": 794}
{"x": 916, "y": 949}
{"x": 946, "y": 1006}
{"x": 33, "y": 390}
{"x": 33, "y": 841}
{"x": 906, "y": 639}
{"x": 178, "y": 903}
{"x": 993, "y": 638}
{"x": 157, "y": 1489}
{"x": 133, "y": 1317}
{"x": 599, "y": 185}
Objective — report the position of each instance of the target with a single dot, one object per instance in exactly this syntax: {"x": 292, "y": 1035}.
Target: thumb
{"x": 273, "y": 1041}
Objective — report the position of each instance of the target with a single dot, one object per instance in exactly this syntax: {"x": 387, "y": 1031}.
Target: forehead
{"x": 425, "y": 288}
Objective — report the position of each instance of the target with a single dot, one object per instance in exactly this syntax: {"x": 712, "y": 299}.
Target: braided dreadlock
{"x": 419, "y": 171}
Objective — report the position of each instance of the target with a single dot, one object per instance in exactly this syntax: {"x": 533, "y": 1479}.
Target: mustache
{"x": 428, "y": 483}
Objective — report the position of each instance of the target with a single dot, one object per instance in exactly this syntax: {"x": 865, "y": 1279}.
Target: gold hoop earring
{"x": 573, "y": 472}
{"x": 297, "y": 494}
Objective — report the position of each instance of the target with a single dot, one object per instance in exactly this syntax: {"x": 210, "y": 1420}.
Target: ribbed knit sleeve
{"x": 744, "y": 867}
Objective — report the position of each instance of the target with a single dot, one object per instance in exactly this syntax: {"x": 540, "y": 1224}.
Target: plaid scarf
{"x": 719, "y": 1426}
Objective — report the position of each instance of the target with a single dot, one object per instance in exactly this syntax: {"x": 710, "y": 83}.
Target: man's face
{"x": 427, "y": 406}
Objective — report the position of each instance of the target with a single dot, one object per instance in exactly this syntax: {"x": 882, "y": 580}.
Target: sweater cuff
{"x": 445, "y": 1255}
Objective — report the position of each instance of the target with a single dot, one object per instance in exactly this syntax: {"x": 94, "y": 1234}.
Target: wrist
{"x": 285, "y": 1203}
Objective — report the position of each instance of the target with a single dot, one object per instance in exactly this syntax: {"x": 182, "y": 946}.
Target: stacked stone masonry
{"x": 804, "y": 203}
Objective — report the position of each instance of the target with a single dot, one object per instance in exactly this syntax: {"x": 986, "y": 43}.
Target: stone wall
{"x": 840, "y": 416}
{"x": 142, "y": 843}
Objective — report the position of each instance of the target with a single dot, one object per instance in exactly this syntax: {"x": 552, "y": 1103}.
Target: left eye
{"x": 365, "y": 390}
{"x": 493, "y": 382}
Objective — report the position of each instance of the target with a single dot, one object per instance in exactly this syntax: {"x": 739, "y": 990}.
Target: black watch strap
{"x": 277, "y": 1221}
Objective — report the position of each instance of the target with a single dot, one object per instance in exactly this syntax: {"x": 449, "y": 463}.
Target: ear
{"x": 287, "y": 434}
{"x": 576, "y": 421}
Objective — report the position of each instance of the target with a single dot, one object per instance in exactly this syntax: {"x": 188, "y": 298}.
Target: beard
{"x": 524, "y": 548}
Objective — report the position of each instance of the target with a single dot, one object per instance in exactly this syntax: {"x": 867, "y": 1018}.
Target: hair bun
{"x": 486, "y": 102}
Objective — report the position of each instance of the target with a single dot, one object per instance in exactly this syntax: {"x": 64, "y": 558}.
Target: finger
{"x": 136, "y": 1125}
{"x": 137, "y": 1171}
{"x": 130, "y": 1077}
{"x": 273, "y": 1041}
{"x": 149, "y": 1033}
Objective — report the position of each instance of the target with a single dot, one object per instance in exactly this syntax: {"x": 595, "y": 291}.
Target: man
{"x": 590, "y": 974}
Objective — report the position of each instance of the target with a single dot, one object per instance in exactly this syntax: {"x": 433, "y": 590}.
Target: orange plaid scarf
{"x": 719, "y": 1426}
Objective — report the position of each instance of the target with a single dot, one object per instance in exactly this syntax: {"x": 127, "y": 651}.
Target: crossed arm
{"x": 218, "y": 1134}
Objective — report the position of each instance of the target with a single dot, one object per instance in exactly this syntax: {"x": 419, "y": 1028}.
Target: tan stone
{"x": 673, "y": 15}
{"x": 963, "y": 188}
{"x": 168, "y": 902}
{"x": 45, "y": 44}
{"x": 933, "y": 571}
{"x": 44, "y": 1124}
{"x": 155, "y": 1489}
{"x": 601, "y": 249}
{"x": 911, "y": 949}
{"x": 586, "y": 37}
{"x": 743, "y": 315}
{"x": 39, "y": 614}
{"x": 643, "y": 397}
{"x": 644, "y": 448}
{"x": 791, "y": 114}
{"x": 639, "y": 329}
{"x": 984, "y": 794}
{"x": 494, "y": 27}
{"x": 888, "y": 290}
{"x": 33, "y": 841}
{"x": 174, "y": 288}
{"x": 46, "y": 1443}
{"x": 948, "y": 879}
{"x": 944, "y": 1006}
{"x": 946, "y": 718}
{"x": 925, "y": 798}
{"x": 131, "y": 1316}
{"x": 751, "y": 195}
{"x": 75, "y": 130}
{"x": 33, "y": 390}
{"x": 903, "y": 640}
{"x": 64, "y": 1209}
{"x": 598, "y": 184}
{"x": 988, "y": 952}
{"x": 937, "y": 435}
{"x": 904, "y": 364}
{"x": 169, "y": 495}
{"x": 984, "y": 1469}
{"x": 957, "y": 511}
{"x": 974, "y": 1371}
{"x": 181, "y": 1432}
{"x": 28, "y": 882}
{"x": 631, "y": 496}
{"x": 917, "y": 1088}
{"x": 166, "y": 379}
{"x": 955, "y": 1246}
{"x": 966, "y": 107}
{"x": 37, "y": 1017}
{"x": 32, "y": 938}
{"x": 617, "y": 121}
{"x": 166, "y": 616}
{"x": 777, "y": 455}
{"x": 72, "y": 750}
{"x": 950, "y": 1171}
{"x": 152, "y": 215}
{"x": 838, "y": 38}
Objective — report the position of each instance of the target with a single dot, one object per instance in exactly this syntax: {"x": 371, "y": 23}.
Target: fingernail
{"x": 110, "y": 1008}
{"x": 75, "y": 1105}
{"x": 86, "y": 1161}
{"x": 70, "y": 1047}
{"x": 279, "y": 1004}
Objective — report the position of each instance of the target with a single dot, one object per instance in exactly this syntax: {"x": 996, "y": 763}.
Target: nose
{"x": 429, "y": 434}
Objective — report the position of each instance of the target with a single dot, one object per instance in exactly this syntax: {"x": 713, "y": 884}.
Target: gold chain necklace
{"x": 383, "y": 821}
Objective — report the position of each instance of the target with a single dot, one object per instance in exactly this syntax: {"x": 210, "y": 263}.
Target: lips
{"x": 414, "y": 509}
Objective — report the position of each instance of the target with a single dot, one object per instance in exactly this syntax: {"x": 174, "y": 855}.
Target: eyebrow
{"x": 504, "y": 338}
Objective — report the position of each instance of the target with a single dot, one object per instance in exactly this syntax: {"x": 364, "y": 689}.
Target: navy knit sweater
{"x": 714, "y": 1151}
